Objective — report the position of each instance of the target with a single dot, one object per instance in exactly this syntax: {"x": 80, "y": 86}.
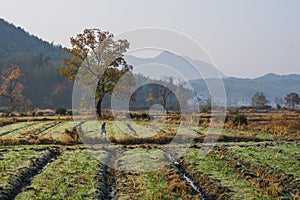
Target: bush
{"x": 278, "y": 106}
{"x": 142, "y": 116}
{"x": 39, "y": 114}
{"x": 206, "y": 108}
{"x": 61, "y": 111}
{"x": 237, "y": 120}
{"x": 70, "y": 112}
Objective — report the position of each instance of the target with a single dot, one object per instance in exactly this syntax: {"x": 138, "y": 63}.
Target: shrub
{"x": 206, "y": 108}
{"x": 237, "y": 120}
{"x": 70, "y": 112}
{"x": 278, "y": 106}
{"x": 143, "y": 116}
{"x": 39, "y": 114}
{"x": 60, "y": 111}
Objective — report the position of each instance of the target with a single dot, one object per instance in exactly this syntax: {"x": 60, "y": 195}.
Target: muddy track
{"x": 132, "y": 131}
{"x": 182, "y": 179}
{"x": 206, "y": 187}
{"x": 271, "y": 181}
{"x": 106, "y": 177}
{"x": 181, "y": 182}
{"x": 211, "y": 188}
{"x": 23, "y": 178}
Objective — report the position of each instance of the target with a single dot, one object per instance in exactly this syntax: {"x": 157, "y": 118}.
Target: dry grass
{"x": 130, "y": 140}
{"x": 179, "y": 186}
{"x": 283, "y": 125}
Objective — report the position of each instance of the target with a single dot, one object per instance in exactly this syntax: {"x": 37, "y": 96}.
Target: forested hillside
{"x": 40, "y": 62}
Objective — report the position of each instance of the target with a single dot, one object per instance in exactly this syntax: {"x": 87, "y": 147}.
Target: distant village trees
{"x": 171, "y": 95}
{"x": 259, "y": 100}
{"x": 165, "y": 91}
{"x": 291, "y": 100}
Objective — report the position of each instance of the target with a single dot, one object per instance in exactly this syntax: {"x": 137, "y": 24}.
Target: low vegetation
{"x": 43, "y": 159}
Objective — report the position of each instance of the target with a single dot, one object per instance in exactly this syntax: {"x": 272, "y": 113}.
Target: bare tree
{"x": 165, "y": 90}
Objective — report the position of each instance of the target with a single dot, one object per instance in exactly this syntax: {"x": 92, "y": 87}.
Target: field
{"x": 44, "y": 158}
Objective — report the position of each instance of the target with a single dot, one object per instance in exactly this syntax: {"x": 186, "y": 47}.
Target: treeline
{"x": 169, "y": 94}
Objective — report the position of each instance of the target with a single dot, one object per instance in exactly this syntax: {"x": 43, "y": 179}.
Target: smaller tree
{"x": 165, "y": 91}
{"x": 278, "y": 101}
{"x": 292, "y": 99}
{"x": 259, "y": 100}
{"x": 184, "y": 94}
{"x": 150, "y": 99}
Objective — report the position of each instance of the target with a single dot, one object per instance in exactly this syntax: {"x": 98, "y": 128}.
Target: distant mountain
{"x": 239, "y": 91}
{"x": 40, "y": 62}
{"x": 187, "y": 68}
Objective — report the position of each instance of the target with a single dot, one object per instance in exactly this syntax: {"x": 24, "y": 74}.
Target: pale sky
{"x": 245, "y": 38}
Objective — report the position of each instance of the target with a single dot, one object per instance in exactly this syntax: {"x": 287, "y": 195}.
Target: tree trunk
{"x": 100, "y": 93}
{"x": 98, "y": 109}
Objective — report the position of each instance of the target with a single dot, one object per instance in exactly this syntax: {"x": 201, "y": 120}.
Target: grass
{"x": 25, "y": 133}
{"x": 141, "y": 160}
{"x": 46, "y": 132}
{"x": 71, "y": 176}
{"x": 143, "y": 130}
{"x": 118, "y": 130}
{"x": 91, "y": 128}
{"x": 259, "y": 135}
{"x": 57, "y": 132}
{"x": 155, "y": 186}
{"x": 15, "y": 127}
{"x": 141, "y": 176}
{"x": 284, "y": 156}
{"x": 14, "y": 160}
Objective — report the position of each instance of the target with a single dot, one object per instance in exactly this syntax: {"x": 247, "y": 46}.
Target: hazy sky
{"x": 245, "y": 38}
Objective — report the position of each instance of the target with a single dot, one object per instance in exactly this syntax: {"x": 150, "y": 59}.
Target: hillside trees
{"x": 12, "y": 87}
{"x": 39, "y": 61}
{"x": 101, "y": 59}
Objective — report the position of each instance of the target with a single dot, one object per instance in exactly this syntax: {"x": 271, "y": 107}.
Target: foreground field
{"x": 47, "y": 160}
